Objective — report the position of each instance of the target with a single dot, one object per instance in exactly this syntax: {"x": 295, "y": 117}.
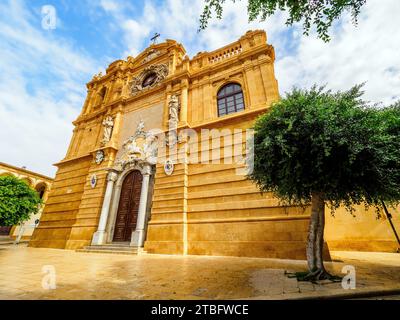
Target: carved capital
{"x": 146, "y": 171}
{"x": 112, "y": 176}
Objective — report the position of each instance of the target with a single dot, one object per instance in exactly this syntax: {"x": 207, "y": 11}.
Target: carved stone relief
{"x": 140, "y": 148}
{"x": 99, "y": 157}
{"x": 160, "y": 71}
{"x": 151, "y": 55}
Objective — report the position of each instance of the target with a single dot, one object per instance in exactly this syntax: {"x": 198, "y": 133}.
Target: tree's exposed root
{"x": 314, "y": 276}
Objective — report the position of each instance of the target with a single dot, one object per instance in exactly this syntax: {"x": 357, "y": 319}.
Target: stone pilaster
{"x": 100, "y": 235}
{"x": 139, "y": 234}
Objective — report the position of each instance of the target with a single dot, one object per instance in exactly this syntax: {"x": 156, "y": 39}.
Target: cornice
{"x": 26, "y": 171}
{"x": 77, "y": 158}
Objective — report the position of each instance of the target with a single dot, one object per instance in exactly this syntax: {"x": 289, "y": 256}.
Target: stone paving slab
{"x": 24, "y": 271}
{"x": 379, "y": 292}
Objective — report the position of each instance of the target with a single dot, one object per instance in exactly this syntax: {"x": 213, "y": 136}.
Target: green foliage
{"x": 17, "y": 201}
{"x": 334, "y": 143}
{"x": 321, "y": 13}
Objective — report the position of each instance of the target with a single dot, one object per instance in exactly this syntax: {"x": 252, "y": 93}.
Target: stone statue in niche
{"x": 173, "y": 107}
{"x": 108, "y": 125}
{"x": 173, "y": 119}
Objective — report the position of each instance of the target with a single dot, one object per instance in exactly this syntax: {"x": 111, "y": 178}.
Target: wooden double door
{"x": 5, "y": 231}
{"x": 128, "y": 207}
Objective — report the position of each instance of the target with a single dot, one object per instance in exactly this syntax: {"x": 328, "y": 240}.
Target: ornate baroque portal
{"x": 125, "y": 209}
{"x": 128, "y": 207}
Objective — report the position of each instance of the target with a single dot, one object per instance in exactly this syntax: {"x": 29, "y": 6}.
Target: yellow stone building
{"x": 156, "y": 161}
{"x": 39, "y": 182}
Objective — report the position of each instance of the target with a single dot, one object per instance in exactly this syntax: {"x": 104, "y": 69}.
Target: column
{"x": 139, "y": 234}
{"x": 100, "y": 235}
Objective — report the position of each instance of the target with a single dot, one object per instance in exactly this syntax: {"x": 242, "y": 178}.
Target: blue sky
{"x": 43, "y": 72}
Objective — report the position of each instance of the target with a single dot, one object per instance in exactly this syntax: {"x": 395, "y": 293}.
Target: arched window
{"x": 149, "y": 80}
{"x": 230, "y": 99}
{"x": 41, "y": 189}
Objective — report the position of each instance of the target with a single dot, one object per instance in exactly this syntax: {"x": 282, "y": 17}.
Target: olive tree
{"x": 318, "y": 13}
{"x": 322, "y": 148}
{"x": 17, "y": 201}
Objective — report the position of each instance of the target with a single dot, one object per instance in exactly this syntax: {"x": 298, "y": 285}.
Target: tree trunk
{"x": 315, "y": 242}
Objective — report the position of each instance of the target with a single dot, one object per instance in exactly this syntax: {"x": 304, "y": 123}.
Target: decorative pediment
{"x": 139, "y": 148}
{"x": 152, "y": 54}
{"x": 146, "y": 56}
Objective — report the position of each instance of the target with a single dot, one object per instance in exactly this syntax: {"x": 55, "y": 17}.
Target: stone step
{"x": 110, "y": 248}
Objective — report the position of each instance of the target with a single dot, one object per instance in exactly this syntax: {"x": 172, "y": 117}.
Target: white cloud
{"x": 179, "y": 20}
{"x": 40, "y": 90}
{"x": 110, "y": 5}
{"x": 367, "y": 53}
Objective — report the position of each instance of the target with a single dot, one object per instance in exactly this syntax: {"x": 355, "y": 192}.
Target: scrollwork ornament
{"x": 161, "y": 72}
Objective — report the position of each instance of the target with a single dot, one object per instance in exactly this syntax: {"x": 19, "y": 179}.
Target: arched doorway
{"x": 41, "y": 189}
{"x": 5, "y": 231}
{"x": 128, "y": 207}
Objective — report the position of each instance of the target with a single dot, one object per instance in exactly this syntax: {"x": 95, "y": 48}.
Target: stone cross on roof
{"x": 155, "y": 38}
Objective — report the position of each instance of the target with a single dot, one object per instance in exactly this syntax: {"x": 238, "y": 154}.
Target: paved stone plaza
{"x": 114, "y": 276}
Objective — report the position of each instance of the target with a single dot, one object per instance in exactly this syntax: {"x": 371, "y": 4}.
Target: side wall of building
{"x": 42, "y": 184}
{"x": 212, "y": 209}
{"x": 72, "y": 206}
{"x": 362, "y": 231}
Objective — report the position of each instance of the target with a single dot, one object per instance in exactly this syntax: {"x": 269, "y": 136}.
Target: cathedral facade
{"x": 157, "y": 160}
{"x": 156, "y": 157}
